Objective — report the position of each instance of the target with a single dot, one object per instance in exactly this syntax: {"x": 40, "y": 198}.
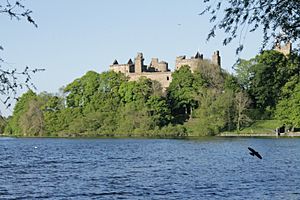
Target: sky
{"x": 75, "y": 36}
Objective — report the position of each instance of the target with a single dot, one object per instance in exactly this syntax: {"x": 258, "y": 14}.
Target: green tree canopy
{"x": 288, "y": 109}
{"x": 264, "y": 76}
{"x": 25, "y": 109}
{"x": 184, "y": 89}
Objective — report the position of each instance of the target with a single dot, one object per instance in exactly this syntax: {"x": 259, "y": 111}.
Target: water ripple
{"x": 148, "y": 169}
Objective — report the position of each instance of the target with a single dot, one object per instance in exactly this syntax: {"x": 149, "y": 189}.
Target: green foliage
{"x": 143, "y": 109}
{"x": 262, "y": 126}
{"x": 271, "y": 80}
{"x": 138, "y": 91}
{"x": 241, "y": 103}
{"x": 203, "y": 102}
{"x": 158, "y": 111}
{"x": 237, "y": 18}
{"x": 268, "y": 76}
{"x": 263, "y": 78}
{"x": 209, "y": 74}
{"x": 243, "y": 72}
{"x": 103, "y": 104}
{"x": 172, "y": 131}
{"x": 215, "y": 113}
{"x": 3, "y": 124}
{"x": 184, "y": 91}
{"x": 32, "y": 122}
{"x": 25, "y": 106}
{"x": 80, "y": 91}
{"x": 231, "y": 83}
{"x": 134, "y": 120}
{"x": 288, "y": 109}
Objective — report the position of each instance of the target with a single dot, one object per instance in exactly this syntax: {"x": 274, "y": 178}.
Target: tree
{"x": 231, "y": 83}
{"x": 137, "y": 91}
{"x": 242, "y": 102}
{"x": 263, "y": 76}
{"x": 215, "y": 113}
{"x": 182, "y": 91}
{"x": 3, "y": 123}
{"x": 243, "y": 72}
{"x": 267, "y": 79}
{"x": 134, "y": 118}
{"x": 158, "y": 111}
{"x": 81, "y": 90}
{"x": 279, "y": 19}
{"x": 209, "y": 74}
{"x": 96, "y": 100}
{"x": 264, "y": 85}
{"x": 143, "y": 107}
{"x": 32, "y": 121}
{"x": 288, "y": 107}
{"x": 11, "y": 79}
{"x": 20, "y": 109}
{"x": 52, "y": 108}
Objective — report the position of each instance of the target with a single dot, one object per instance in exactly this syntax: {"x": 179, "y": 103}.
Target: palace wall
{"x": 165, "y": 78}
{"x": 159, "y": 71}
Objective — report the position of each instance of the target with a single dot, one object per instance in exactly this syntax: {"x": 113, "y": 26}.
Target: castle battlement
{"x": 138, "y": 66}
{"x": 159, "y": 70}
{"x": 156, "y": 70}
{"x": 196, "y": 60}
{"x": 285, "y": 49}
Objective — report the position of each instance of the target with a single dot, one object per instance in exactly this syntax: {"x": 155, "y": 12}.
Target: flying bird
{"x": 254, "y": 153}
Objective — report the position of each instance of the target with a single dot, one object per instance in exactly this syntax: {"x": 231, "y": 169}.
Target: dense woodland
{"x": 206, "y": 102}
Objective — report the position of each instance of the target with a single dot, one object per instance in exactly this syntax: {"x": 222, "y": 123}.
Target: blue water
{"x": 215, "y": 168}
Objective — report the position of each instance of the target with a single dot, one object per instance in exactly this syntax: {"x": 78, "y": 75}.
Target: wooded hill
{"x": 205, "y": 102}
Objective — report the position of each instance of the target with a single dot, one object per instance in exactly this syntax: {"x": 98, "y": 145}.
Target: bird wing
{"x": 258, "y": 155}
{"x": 252, "y": 150}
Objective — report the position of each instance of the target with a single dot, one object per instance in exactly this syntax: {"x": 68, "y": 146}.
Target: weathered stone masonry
{"x": 158, "y": 70}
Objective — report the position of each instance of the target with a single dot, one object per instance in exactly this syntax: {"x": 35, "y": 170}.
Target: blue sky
{"x": 76, "y": 36}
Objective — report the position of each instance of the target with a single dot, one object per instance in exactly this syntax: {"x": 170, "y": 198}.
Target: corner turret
{"x": 139, "y": 63}
{"x": 285, "y": 49}
{"x": 216, "y": 59}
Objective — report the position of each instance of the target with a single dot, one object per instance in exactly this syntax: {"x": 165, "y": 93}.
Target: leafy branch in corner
{"x": 16, "y": 10}
{"x": 11, "y": 80}
{"x": 278, "y": 19}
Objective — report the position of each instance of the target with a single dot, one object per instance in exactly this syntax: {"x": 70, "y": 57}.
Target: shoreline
{"x": 288, "y": 134}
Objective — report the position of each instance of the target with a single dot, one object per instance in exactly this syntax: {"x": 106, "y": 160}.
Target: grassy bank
{"x": 262, "y": 126}
{"x": 258, "y": 128}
